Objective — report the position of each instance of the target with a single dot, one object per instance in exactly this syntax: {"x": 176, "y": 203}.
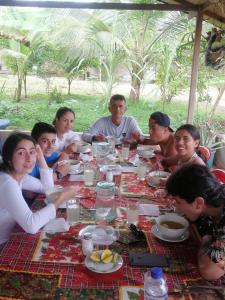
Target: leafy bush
{"x": 55, "y": 96}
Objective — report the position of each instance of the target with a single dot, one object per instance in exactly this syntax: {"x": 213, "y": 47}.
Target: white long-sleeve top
{"x": 67, "y": 139}
{"x": 14, "y": 209}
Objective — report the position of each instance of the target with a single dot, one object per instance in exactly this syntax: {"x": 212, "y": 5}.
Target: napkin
{"x": 149, "y": 210}
{"x": 85, "y": 157}
{"x": 57, "y": 225}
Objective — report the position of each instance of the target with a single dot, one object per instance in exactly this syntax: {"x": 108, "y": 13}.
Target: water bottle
{"x": 155, "y": 287}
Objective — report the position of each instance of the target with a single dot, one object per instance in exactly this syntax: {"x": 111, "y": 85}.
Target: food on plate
{"x": 106, "y": 256}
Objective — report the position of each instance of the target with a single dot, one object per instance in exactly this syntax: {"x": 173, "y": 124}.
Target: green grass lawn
{"x": 23, "y": 115}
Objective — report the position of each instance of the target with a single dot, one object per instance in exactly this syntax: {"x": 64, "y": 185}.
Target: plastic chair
{"x": 220, "y": 174}
{"x": 205, "y": 152}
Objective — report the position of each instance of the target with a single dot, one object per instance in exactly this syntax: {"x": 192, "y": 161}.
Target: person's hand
{"x": 63, "y": 167}
{"x": 135, "y": 136}
{"x": 66, "y": 194}
{"x": 40, "y": 154}
{"x": 99, "y": 138}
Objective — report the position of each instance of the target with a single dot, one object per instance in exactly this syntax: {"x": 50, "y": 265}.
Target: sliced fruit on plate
{"x": 95, "y": 256}
{"x": 115, "y": 257}
{"x": 107, "y": 256}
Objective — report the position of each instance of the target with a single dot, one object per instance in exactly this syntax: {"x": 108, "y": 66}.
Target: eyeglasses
{"x": 139, "y": 234}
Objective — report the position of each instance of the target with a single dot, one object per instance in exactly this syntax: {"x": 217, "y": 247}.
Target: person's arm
{"x": 36, "y": 185}
{"x": 211, "y": 260}
{"x": 95, "y": 132}
{"x": 17, "y": 207}
{"x": 170, "y": 161}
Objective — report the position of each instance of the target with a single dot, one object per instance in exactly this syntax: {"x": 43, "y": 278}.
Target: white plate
{"x": 161, "y": 174}
{"x": 159, "y": 235}
{"x": 99, "y": 234}
{"x": 62, "y": 205}
{"x": 75, "y": 172}
{"x": 101, "y": 267}
{"x": 84, "y": 152}
{"x": 147, "y": 156}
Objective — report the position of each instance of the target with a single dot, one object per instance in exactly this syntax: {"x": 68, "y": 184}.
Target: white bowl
{"x": 169, "y": 220}
{"x": 53, "y": 192}
{"x": 83, "y": 147}
{"x": 74, "y": 164}
{"x": 156, "y": 177}
{"x": 145, "y": 151}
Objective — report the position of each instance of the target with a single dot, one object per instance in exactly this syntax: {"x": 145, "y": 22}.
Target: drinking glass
{"x": 112, "y": 143}
{"x": 73, "y": 211}
{"x": 105, "y": 201}
{"x": 132, "y": 211}
{"x": 125, "y": 151}
{"x": 94, "y": 148}
{"x": 141, "y": 171}
{"x": 89, "y": 176}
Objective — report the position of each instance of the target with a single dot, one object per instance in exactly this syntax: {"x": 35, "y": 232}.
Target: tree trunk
{"x": 19, "y": 87}
{"x": 135, "y": 89}
{"x": 69, "y": 86}
{"x": 25, "y": 84}
{"x": 136, "y": 79}
{"x": 220, "y": 95}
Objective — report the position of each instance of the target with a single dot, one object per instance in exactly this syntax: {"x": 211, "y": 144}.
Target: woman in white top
{"x": 19, "y": 155}
{"x": 66, "y": 139}
{"x": 187, "y": 139}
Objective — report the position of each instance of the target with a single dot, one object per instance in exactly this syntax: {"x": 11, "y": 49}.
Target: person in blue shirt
{"x": 45, "y": 135}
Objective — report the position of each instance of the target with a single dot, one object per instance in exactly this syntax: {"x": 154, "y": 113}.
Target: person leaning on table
{"x": 160, "y": 133}
{"x": 19, "y": 155}
{"x": 198, "y": 195}
{"x": 117, "y": 125}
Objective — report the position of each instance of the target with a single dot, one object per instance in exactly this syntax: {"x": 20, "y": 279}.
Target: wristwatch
{"x": 58, "y": 175}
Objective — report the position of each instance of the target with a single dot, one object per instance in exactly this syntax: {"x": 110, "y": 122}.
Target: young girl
{"x": 187, "y": 139}
{"x": 200, "y": 197}
{"x": 19, "y": 155}
{"x": 66, "y": 139}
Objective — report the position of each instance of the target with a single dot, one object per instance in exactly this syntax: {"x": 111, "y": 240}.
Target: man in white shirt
{"x": 117, "y": 125}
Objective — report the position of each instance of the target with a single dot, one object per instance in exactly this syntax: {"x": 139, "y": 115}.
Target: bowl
{"x": 83, "y": 147}
{"x": 145, "y": 152}
{"x": 74, "y": 164}
{"x": 172, "y": 225}
{"x": 158, "y": 177}
{"x": 53, "y": 192}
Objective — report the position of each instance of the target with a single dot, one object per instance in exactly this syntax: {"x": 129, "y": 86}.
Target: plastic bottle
{"x": 155, "y": 287}
{"x": 87, "y": 243}
{"x": 109, "y": 176}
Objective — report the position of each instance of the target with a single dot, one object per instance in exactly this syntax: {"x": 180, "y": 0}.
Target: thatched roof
{"x": 213, "y": 10}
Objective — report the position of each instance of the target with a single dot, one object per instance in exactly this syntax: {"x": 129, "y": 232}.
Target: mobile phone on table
{"x": 148, "y": 259}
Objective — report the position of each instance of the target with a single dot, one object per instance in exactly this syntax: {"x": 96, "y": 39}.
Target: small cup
{"x": 132, "y": 211}
{"x": 125, "y": 151}
{"x": 73, "y": 211}
{"x": 89, "y": 176}
{"x": 141, "y": 171}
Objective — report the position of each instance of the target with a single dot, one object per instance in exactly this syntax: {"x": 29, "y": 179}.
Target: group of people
{"x": 33, "y": 162}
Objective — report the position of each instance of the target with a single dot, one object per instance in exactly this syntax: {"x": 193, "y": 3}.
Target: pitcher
{"x": 105, "y": 201}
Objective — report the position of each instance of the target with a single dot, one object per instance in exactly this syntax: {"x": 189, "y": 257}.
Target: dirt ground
{"x": 35, "y": 84}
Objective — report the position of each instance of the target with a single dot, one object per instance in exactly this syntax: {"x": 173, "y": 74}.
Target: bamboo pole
{"x": 194, "y": 71}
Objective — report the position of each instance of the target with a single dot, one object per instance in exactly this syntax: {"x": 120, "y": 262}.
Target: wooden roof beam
{"x": 99, "y": 5}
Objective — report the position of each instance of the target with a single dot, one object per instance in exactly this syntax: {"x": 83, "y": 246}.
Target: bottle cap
{"x": 87, "y": 236}
{"x": 156, "y": 273}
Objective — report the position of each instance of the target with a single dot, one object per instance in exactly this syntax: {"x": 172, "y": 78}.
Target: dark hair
{"x": 191, "y": 129}
{"x": 62, "y": 111}
{"x": 192, "y": 181}
{"x": 9, "y": 147}
{"x": 117, "y": 97}
{"x": 40, "y": 128}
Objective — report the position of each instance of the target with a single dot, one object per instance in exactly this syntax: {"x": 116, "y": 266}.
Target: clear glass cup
{"x": 125, "y": 151}
{"x": 94, "y": 148}
{"x": 89, "y": 177}
{"x": 73, "y": 211}
{"x": 112, "y": 142}
{"x": 132, "y": 211}
{"x": 141, "y": 171}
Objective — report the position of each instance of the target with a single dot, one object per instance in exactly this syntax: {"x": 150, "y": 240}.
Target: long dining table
{"x": 50, "y": 265}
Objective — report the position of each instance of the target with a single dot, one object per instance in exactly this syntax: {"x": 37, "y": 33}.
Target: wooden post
{"x": 194, "y": 71}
